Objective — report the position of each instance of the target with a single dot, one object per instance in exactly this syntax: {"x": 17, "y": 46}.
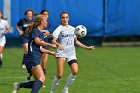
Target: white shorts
{"x": 2, "y": 41}
{"x": 67, "y": 54}
{"x": 70, "y": 58}
{"x": 67, "y": 58}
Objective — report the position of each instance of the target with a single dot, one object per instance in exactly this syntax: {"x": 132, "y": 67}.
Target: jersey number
{"x": 69, "y": 41}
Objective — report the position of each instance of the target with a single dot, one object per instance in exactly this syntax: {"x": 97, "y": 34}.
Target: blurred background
{"x": 103, "y": 70}
{"x": 109, "y": 22}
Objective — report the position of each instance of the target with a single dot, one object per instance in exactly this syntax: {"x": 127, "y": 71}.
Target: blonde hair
{"x": 35, "y": 24}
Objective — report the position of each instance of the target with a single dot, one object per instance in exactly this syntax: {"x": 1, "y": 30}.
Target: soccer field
{"x": 103, "y": 70}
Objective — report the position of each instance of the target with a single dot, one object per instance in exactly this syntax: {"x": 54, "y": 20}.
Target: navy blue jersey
{"x": 34, "y": 49}
{"x": 23, "y": 23}
{"x": 45, "y": 37}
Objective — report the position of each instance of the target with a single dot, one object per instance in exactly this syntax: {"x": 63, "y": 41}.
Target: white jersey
{"x": 3, "y": 25}
{"x": 65, "y": 37}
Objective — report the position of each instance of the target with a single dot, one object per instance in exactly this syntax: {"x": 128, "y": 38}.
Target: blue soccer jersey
{"x": 34, "y": 49}
{"x": 46, "y": 37}
{"x": 24, "y": 23}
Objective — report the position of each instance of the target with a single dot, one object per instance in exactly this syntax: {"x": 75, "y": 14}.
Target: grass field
{"x": 103, "y": 70}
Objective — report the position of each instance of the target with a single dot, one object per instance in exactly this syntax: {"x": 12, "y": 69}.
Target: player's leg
{"x": 28, "y": 84}
{"x": 44, "y": 56}
{"x": 43, "y": 64}
{"x": 29, "y": 77}
{"x": 38, "y": 74}
{"x": 74, "y": 69}
{"x": 39, "y": 77}
{"x": 60, "y": 69}
{"x": 17, "y": 85}
{"x": 44, "y": 61}
{"x": 25, "y": 47}
{"x": 1, "y": 49}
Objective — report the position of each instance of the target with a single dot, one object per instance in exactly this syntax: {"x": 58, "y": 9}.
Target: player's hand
{"x": 52, "y": 53}
{"x": 47, "y": 33}
{"x": 5, "y": 31}
{"x": 90, "y": 47}
{"x": 60, "y": 47}
{"x": 20, "y": 33}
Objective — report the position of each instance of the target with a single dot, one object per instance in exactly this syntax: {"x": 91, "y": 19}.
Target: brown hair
{"x": 35, "y": 24}
{"x": 43, "y": 11}
{"x": 62, "y": 14}
{"x": 28, "y": 11}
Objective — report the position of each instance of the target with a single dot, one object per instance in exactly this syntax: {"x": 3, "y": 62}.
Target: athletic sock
{"x": 26, "y": 84}
{"x": 1, "y": 60}
{"x": 24, "y": 59}
{"x": 44, "y": 70}
{"x": 29, "y": 77}
{"x": 1, "y": 55}
{"x": 36, "y": 86}
{"x": 70, "y": 80}
{"x": 55, "y": 83}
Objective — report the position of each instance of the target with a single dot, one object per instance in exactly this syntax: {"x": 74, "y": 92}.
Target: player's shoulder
{"x": 35, "y": 30}
{"x": 4, "y": 21}
{"x": 22, "y": 20}
{"x": 59, "y": 27}
{"x": 71, "y": 27}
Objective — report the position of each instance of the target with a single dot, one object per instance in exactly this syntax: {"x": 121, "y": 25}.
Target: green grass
{"x": 103, "y": 70}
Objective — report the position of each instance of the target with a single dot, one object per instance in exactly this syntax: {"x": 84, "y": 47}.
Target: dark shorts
{"x": 23, "y": 39}
{"x": 30, "y": 63}
{"x": 46, "y": 40}
{"x": 72, "y": 61}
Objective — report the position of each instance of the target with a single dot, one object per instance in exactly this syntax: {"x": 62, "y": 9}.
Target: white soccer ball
{"x": 80, "y": 31}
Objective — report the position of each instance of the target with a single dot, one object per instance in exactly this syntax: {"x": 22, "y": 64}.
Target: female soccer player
{"x": 35, "y": 49}
{"x": 46, "y": 34}
{"x": 22, "y": 30}
{"x": 64, "y": 38}
{"x": 4, "y": 29}
{"x": 44, "y": 58}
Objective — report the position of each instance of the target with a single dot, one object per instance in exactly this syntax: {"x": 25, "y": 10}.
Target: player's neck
{"x": 66, "y": 26}
{"x": 40, "y": 28}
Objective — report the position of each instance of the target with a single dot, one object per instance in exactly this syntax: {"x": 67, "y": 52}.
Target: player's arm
{"x": 42, "y": 43}
{"x": 76, "y": 42}
{"x": 47, "y": 51}
{"x": 47, "y": 33}
{"x": 54, "y": 41}
{"x": 6, "y": 28}
{"x": 19, "y": 31}
{"x": 20, "y": 23}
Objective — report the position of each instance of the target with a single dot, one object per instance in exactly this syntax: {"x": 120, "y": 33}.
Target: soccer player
{"x": 64, "y": 37}
{"x": 36, "y": 41}
{"x": 4, "y": 29}
{"x": 22, "y": 30}
{"x": 44, "y": 58}
{"x": 46, "y": 34}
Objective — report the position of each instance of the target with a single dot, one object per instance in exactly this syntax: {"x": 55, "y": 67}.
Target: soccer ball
{"x": 80, "y": 31}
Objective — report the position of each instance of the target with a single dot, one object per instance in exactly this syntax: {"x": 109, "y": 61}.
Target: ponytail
{"x": 30, "y": 28}
{"x": 34, "y": 24}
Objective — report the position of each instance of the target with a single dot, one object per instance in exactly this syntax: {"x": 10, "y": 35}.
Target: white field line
{"x": 10, "y": 77}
